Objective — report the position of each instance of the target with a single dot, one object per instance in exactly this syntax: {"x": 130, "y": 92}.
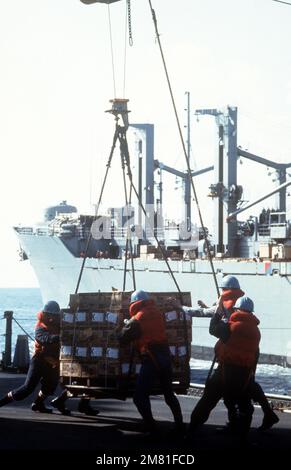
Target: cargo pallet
{"x": 92, "y": 361}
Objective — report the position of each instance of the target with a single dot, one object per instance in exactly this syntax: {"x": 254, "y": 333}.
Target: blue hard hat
{"x": 139, "y": 295}
{"x": 52, "y": 307}
{"x": 229, "y": 282}
{"x": 244, "y": 303}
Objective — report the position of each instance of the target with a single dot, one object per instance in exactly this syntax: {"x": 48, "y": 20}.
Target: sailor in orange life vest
{"x": 146, "y": 327}
{"x": 236, "y": 353}
{"x": 231, "y": 292}
{"x": 44, "y": 365}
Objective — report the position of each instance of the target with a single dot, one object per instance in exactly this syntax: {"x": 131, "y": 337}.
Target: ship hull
{"x": 268, "y": 284}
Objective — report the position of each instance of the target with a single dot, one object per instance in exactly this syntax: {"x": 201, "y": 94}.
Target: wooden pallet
{"x": 119, "y": 388}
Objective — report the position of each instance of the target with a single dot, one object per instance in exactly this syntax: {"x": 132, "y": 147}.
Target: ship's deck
{"x": 116, "y": 431}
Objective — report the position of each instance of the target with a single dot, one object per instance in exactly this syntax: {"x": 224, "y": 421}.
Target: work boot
{"x": 86, "y": 408}
{"x": 59, "y": 404}
{"x": 5, "y": 400}
{"x": 269, "y": 420}
{"x": 39, "y": 406}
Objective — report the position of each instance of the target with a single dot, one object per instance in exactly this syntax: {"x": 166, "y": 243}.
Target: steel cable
{"x": 184, "y": 148}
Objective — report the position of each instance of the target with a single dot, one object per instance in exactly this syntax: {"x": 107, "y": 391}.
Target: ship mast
{"x": 225, "y": 191}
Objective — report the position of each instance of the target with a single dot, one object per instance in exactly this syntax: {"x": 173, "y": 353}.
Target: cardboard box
{"x": 76, "y": 369}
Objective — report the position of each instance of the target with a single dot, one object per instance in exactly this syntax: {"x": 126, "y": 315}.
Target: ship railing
{"x": 278, "y": 224}
{"x": 25, "y": 230}
{"x": 42, "y": 231}
{"x": 83, "y": 233}
{"x": 121, "y": 233}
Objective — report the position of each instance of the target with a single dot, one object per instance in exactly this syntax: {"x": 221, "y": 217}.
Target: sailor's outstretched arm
{"x": 199, "y": 312}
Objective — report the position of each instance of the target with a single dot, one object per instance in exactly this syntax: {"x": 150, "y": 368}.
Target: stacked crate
{"x": 90, "y": 353}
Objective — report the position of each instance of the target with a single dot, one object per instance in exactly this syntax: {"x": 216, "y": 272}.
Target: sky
{"x": 56, "y": 81}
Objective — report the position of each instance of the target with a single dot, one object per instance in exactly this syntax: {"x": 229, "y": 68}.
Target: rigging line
{"x": 128, "y": 240}
{"x": 124, "y": 150}
{"x": 126, "y": 245}
{"x": 97, "y": 207}
{"x": 128, "y": 203}
{"x": 123, "y": 142}
{"x": 280, "y": 1}
{"x": 125, "y": 266}
{"x": 128, "y": 231}
{"x": 184, "y": 148}
{"x": 27, "y": 334}
{"x": 111, "y": 47}
{"x": 130, "y": 247}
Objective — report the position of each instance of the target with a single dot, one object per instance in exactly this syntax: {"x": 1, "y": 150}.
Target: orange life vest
{"x": 47, "y": 349}
{"x": 242, "y": 346}
{"x": 152, "y": 324}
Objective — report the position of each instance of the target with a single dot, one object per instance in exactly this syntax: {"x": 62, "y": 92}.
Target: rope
{"x": 210, "y": 370}
{"x": 111, "y": 48}
{"x": 184, "y": 148}
{"x": 121, "y": 136}
{"x": 97, "y": 209}
{"x": 27, "y": 334}
{"x": 124, "y": 150}
{"x": 125, "y": 153}
{"x": 281, "y": 1}
{"x": 128, "y": 240}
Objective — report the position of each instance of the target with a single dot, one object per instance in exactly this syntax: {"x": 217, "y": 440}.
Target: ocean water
{"x": 273, "y": 379}
{"x": 25, "y": 303}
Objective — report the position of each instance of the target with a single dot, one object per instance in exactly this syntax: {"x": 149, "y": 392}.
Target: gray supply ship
{"x": 256, "y": 250}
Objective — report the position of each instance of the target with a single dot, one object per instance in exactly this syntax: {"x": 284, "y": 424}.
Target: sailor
{"x": 44, "y": 365}
{"x": 147, "y": 329}
{"x": 236, "y": 353}
{"x": 230, "y": 293}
